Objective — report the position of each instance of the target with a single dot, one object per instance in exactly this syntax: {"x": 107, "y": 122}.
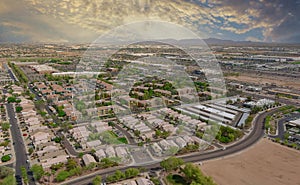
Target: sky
{"x": 85, "y": 20}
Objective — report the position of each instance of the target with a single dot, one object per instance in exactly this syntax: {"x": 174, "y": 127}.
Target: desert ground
{"x": 263, "y": 79}
{"x": 266, "y": 163}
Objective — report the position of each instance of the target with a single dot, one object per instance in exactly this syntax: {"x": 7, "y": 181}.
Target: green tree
{"x": 97, "y": 180}
{"x": 155, "y": 181}
{"x": 9, "y": 180}
{"x": 111, "y": 178}
{"x": 193, "y": 175}
{"x": 5, "y": 126}
{"x": 80, "y": 155}
{"x": 5, "y": 158}
{"x": 57, "y": 139}
{"x": 106, "y": 162}
{"x": 30, "y": 150}
{"x": 171, "y": 163}
{"x": 11, "y": 99}
{"x": 5, "y": 171}
{"x": 61, "y": 176}
{"x": 131, "y": 172}
{"x": 119, "y": 175}
{"x": 75, "y": 171}
{"x": 71, "y": 164}
{"x": 24, "y": 174}
{"x": 19, "y": 109}
{"x": 38, "y": 171}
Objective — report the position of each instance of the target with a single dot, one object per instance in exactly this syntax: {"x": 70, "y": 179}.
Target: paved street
{"x": 256, "y": 134}
{"x": 125, "y": 132}
{"x": 65, "y": 142}
{"x": 20, "y": 150}
{"x": 281, "y": 122}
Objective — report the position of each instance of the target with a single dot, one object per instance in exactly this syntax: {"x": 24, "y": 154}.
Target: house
{"x": 122, "y": 153}
{"x": 93, "y": 144}
{"x": 180, "y": 142}
{"x": 110, "y": 151}
{"x": 80, "y": 133}
{"x": 47, "y": 149}
{"x": 40, "y": 138}
{"x": 100, "y": 154}
{"x": 188, "y": 139}
{"x": 49, "y": 162}
{"x": 144, "y": 181}
{"x": 88, "y": 159}
{"x": 156, "y": 149}
{"x": 164, "y": 144}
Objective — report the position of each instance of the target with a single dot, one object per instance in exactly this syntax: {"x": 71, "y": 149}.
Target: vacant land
{"x": 263, "y": 79}
{"x": 266, "y": 163}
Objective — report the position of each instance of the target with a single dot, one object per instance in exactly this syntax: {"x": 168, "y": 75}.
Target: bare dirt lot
{"x": 263, "y": 79}
{"x": 266, "y": 163}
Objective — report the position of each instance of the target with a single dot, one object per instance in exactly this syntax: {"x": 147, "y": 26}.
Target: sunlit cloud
{"x": 276, "y": 19}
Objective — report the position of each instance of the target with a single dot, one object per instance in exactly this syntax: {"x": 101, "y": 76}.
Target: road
{"x": 128, "y": 136}
{"x": 281, "y": 122}
{"x": 65, "y": 142}
{"x": 11, "y": 74}
{"x": 281, "y": 100}
{"x": 19, "y": 146}
{"x": 256, "y": 134}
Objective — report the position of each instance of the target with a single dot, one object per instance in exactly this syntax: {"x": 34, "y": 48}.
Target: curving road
{"x": 256, "y": 134}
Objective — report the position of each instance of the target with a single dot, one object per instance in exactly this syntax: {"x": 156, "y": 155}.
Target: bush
{"x": 5, "y": 126}
{"x": 132, "y": 172}
{"x": 5, "y": 171}
{"x": 38, "y": 171}
{"x": 155, "y": 181}
{"x": 61, "y": 176}
{"x": 11, "y": 99}
{"x": 227, "y": 134}
{"x": 9, "y": 180}
{"x": 5, "y": 158}
{"x": 19, "y": 109}
{"x": 171, "y": 163}
{"x": 97, "y": 180}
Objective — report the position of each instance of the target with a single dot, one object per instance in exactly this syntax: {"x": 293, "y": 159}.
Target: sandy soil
{"x": 266, "y": 163}
{"x": 263, "y": 79}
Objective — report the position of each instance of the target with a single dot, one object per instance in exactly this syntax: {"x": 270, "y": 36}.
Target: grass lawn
{"x": 110, "y": 138}
{"x": 123, "y": 140}
{"x": 296, "y": 62}
{"x": 176, "y": 179}
{"x": 112, "y": 133}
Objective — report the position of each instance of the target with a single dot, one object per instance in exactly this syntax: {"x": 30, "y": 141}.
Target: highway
{"x": 254, "y": 136}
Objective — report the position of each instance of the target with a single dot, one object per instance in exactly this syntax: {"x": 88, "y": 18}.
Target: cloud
{"x": 85, "y": 19}
{"x": 253, "y": 39}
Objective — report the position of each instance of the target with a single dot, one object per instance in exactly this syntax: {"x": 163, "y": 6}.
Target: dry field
{"x": 263, "y": 79}
{"x": 266, "y": 163}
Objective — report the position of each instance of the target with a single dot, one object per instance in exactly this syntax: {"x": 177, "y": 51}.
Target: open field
{"x": 266, "y": 163}
{"x": 263, "y": 79}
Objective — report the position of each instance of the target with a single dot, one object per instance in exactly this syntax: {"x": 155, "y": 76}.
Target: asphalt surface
{"x": 11, "y": 73}
{"x": 125, "y": 132}
{"x": 19, "y": 146}
{"x": 65, "y": 142}
{"x": 281, "y": 122}
{"x": 281, "y": 100}
{"x": 256, "y": 134}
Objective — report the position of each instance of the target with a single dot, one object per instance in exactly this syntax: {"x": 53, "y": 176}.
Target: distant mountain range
{"x": 215, "y": 41}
